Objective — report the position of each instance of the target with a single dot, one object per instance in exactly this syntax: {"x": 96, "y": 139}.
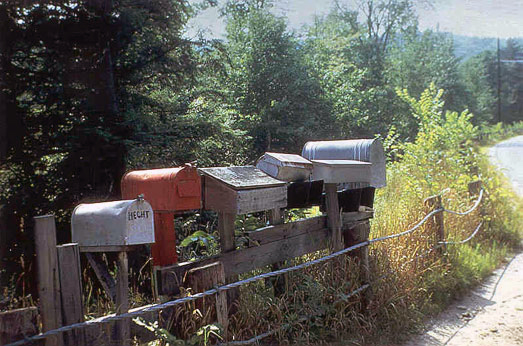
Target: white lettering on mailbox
{"x": 138, "y": 214}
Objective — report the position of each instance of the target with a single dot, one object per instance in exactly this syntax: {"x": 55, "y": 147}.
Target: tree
{"x": 279, "y": 103}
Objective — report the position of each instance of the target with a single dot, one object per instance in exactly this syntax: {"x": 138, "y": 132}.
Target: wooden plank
{"x": 109, "y": 248}
{"x": 241, "y": 177}
{"x": 226, "y": 231}
{"x": 334, "y": 217}
{"x": 18, "y": 324}
{"x": 221, "y": 198}
{"x": 252, "y": 201}
{"x": 105, "y": 279}
{"x": 359, "y": 233}
{"x": 71, "y": 289}
{"x": 206, "y": 277}
{"x": 278, "y": 232}
{"x": 241, "y": 261}
{"x": 276, "y": 217}
{"x": 48, "y": 276}
{"x": 122, "y": 299}
{"x": 356, "y": 216}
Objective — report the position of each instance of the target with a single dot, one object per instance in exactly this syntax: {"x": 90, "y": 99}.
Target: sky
{"x": 486, "y": 18}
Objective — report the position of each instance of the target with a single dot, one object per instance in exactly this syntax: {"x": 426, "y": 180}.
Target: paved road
{"x": 492, "y": 314}
{"x": 509, "y": 156}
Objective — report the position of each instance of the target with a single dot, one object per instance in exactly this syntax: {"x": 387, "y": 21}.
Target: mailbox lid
{"x": 241, "y": 177}
{"x": 286, "y": 167}
{"x": 167, "y": 189}
{"x": 127, "y": 222}
{"x": 367, "y": 150}
{"x": 341, "y": 171}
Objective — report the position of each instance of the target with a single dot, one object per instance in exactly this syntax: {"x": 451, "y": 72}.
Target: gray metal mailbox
{"x": 286, "y": 167}
{"x": 367, "y": 150}
{"x": 118, "y": 223}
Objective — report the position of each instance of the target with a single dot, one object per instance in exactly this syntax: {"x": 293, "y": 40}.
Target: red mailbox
{"x": 169, "y": 191}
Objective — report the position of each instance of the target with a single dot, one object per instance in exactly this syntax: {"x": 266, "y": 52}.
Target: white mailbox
{"x": 286, "y": 167}
{"x": 118, "y": 223}
{"x": 366, "y": 150}
{"x": 341, "y": 171}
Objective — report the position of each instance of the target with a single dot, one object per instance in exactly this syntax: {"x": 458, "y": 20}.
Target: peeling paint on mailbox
{"x": 128, "y": 222}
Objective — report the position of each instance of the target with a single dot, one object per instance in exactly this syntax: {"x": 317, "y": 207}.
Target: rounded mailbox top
{"x": 367, "y": 150}
{"x": 117, "y": 223}
{"x": 167, "y": 189}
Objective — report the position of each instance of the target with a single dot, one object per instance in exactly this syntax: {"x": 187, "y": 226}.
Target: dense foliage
{"x": 90, "y": 89}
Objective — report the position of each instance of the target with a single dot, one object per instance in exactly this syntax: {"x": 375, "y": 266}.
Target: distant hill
{"x": 468, "y": 46}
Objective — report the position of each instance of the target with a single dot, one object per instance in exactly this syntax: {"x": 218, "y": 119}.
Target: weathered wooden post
{"x": 48, "y": 276}
{"x": 206, "y": 277}
{"x": 437, "y": 222}
{"x": 71, "y": 291}
{"x": 475, "y": 187}
{"x": 334, "y": 216}
{"x": 279, "y": 283}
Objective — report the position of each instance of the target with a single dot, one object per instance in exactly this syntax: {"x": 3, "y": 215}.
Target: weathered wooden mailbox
{"x": 241, "y": 190}
{"x": 112, "y": 224}
{"x": 170, "y": 191}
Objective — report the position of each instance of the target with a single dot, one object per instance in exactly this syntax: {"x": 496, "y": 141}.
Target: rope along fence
{"x": 157, "y": 307}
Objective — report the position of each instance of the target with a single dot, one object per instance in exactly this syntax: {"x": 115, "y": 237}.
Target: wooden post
{"x": 48, "y": 276}
{"x": 475, "y": 188}
{"x": 333, "y": 215}
{"x": 227, "y": 244}
{"x": 206, "y": 277}
{"x": 226, "y": 230}
{"x": 105, "y": 279}
{"x": 71, "y": 289}
{"x": 122, "y": 299}
{"x": 279, "y": 282}
{"x": 433, "y": 203}
{"x": 18, "y": 324}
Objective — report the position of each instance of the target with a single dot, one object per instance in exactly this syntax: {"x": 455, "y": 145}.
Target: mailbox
{"x": 241, "y": 190}
{"x": 118, "y": 223}
{"x": 341, "y": 171}
{"x": 366, "y": 150}
{"x": 170, "y": 191}
{"x": 287, "y": 167}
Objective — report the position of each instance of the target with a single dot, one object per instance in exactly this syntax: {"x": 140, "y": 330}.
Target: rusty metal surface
{"x": 167, "y": 189}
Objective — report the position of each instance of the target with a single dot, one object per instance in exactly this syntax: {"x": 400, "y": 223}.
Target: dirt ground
{"x": 492, "y": 314}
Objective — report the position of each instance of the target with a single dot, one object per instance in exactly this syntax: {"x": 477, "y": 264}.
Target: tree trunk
{"x": 3, "y": 82}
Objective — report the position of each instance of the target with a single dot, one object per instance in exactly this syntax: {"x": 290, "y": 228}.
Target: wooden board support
{"x": 122, "y": 299}
{"x": 334, "y": 217}
{"x": 279, "y": 283}
{"x": 355, "y": 235}
{"x": 71, "y": 289}
{"x": 281, "y": 231}
{"x": 475, "y": 187}
{"x": 48, "y": 276}
{"x": 436, "y": 222}
{"x": 18, "y": 324}
{"x": 226, "y": 230}
{"x": 105, "y": 279}
{"x": 206, "y": 277}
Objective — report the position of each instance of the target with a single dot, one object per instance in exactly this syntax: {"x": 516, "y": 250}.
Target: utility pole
{"x": 499, "y": 84}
